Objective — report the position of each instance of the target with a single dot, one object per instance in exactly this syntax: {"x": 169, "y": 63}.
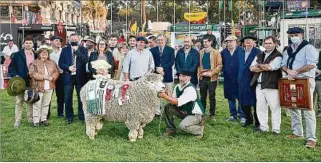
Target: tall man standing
{"x": 138, "y": 62}
{"x": 267, "y": 70}
{"x": 247, "y": 97}
{"x": 299, "y": 61}
{"x": 55, "y": 55}
{"x": 73, "y": 62}
{"x": 230, "y": 57}
{"x": 19, "y": 67}
{"x": 164, "y": 58}
{"x": 209, "y": 69}
{"x": 187, "y": 59}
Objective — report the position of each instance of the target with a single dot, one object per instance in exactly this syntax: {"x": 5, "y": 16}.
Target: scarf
{"x": 292, "y": 55}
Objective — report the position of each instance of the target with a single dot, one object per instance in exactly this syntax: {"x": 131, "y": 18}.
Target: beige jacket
{"x": 37, "y": 73}
{"x": 119, "y": 58}
{"x": 216, "y": 64}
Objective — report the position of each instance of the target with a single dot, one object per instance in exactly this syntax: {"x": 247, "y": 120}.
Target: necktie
{"x": 72, "y": 57}
{"x": 160, "y": 51}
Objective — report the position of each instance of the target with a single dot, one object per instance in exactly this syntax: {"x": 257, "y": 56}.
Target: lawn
{"x": 223, "y": 141}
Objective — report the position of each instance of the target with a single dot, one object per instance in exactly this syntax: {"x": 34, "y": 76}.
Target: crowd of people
{"x": 250, "y": 77}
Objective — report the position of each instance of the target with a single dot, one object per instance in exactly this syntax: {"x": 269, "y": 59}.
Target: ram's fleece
{"x": 140, "y": 111}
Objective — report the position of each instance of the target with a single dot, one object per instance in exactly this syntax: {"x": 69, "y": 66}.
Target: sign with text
{"x": 297, "y": 4}
{"x": 196, "y": 17}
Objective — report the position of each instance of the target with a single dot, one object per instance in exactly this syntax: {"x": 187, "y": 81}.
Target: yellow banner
{"x": 197, "y": 16}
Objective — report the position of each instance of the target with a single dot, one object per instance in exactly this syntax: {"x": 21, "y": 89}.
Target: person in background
{"x": 210, "y": 34}
{"x": 198, "y": 45}
{"x": 121, "y": 39}
{"x": 164, "y": 58}
{"x": 230, "y": 58}
{"x": 112, "y": 44}
{"x": 299, "y": 61}
{"x": 132, "y": 42}
{"x": 247, "y": 96}
{"x": 317, "y": 91}
{"x": 90, "y": 44}
{"x": 187, "y": 59}
{"x": 59, "y": 86}
{"x": 101, "y": 54}
{"x": 43, "y": 73}
{"x": 72, "y": 61}
{"x": 208, "y": 71}
{"x": 138, "y": 61}
{"x": 19, "y": 68}
{"x": 9, "y": 49}
{"x": 152, "y": 42}
{"x": 123, "y": 50}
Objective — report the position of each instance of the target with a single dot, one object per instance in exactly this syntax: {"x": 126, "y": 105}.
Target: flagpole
{"x": 206, "y": 11}
{"x": 111, "y": 17}
{"x": 10, "y": 7}
{"x": 189, "y": 22}
{"x": 126, "y": 20}
{"x": 23, "y": 28}
{"x": 219, "y": 12}
{"x": 157, "y": 10}
{"x": 244, "y": 16}
{"x": 224, "y": 12}
{"x": 174, "y": 17}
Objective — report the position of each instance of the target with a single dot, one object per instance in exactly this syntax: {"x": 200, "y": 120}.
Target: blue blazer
{"x": 247, "y": 94}
{"x": 190, "y": 64}
{"x": 166, "y": 61}
{"x": 18, "y": 66}
{"x": 81, "y": 61}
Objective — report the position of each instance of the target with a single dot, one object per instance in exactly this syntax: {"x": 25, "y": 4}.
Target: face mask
{"x": 90, "y": 46}
{"x": 74, "y": 43}
{"x": 295, "y": 40}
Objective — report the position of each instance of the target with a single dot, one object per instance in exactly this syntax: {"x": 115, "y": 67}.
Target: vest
{"x": 188, "y": 107}
{"x": 270, "y": 78}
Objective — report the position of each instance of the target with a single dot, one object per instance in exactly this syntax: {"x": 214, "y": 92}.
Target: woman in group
{"x": 102, "y": 53}
{"x": 43, "y": 72}
{"x": 123, "y": 50}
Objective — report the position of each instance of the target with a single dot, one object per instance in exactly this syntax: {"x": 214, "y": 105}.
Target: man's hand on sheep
{"x": 160, "y": 70}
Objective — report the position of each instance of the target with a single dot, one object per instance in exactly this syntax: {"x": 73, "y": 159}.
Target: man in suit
{"x": 164, "y": 58}
{"x": 19, "y": 68}
{"x": 73, "y": 62}
{"x": 187, "y": 59}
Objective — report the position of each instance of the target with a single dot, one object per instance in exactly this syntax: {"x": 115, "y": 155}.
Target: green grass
{"x": 223, "y": 141}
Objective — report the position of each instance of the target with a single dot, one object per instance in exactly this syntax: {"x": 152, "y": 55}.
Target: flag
{"x": 230, "y": 5}
{"x": 220, "y": 4}
{"x": 12, "y": 18}
{"x": 133, "y": 29}
{"x": 233, "y": 28}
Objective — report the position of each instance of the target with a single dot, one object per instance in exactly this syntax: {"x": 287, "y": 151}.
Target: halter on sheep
{"x": 139, "y": 112}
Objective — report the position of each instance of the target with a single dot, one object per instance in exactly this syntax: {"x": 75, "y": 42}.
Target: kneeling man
{"x": 185, "y": 104}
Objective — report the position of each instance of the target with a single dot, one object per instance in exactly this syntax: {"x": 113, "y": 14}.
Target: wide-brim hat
{"x": 231, "y": 38}
{"x": 91, "y": 39}
{"x": 16, "y": 86}
{"x": 44, "y": 47}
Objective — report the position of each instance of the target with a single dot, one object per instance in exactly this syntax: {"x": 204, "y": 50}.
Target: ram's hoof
{"x": 140, "y": 137}
{"x": 92, "y": 137}
{"x": 132, "y": 140}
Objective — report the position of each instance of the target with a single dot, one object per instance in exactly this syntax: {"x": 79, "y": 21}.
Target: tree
{"x": 94, "y": 10}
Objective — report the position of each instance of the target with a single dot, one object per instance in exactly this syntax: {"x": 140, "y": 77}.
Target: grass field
{"x": 223, "y": 141}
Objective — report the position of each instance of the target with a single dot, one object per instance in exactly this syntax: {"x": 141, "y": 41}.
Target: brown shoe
{"x": 169, "y": 133}
{"x": 293, "y": 136}
{"x": 310, "y": 144}
{"x": 199, "y": 137}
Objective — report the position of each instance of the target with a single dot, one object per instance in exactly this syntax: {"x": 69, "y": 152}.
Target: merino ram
{"x": 136, "y": 114}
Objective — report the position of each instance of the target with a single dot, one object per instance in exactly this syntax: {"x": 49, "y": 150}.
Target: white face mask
{"x": 295, "y": 40}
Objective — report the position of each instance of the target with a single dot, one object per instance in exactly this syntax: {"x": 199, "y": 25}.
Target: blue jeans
{"x": 68, "y": 93}
{"x": 233, "y": 111}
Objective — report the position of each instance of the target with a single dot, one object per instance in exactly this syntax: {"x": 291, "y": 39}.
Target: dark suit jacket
{"x": 81, "y": 61}
{"x": 110, "y": 60}
{"x": 18, "y": 66}
{"x": 190, "y": 64}
{"x": 166, "y": 61}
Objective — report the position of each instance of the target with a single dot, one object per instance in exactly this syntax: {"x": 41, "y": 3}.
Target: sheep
{"x": 139, "y": 112}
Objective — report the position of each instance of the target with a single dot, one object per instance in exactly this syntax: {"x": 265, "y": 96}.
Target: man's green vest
{"x": 188, "y": 107}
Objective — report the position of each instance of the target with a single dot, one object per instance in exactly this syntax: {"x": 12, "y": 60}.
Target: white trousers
{"x": 268, "y": 98}
{"x": 41, "y": 107}
{"x": 170, "y": 87}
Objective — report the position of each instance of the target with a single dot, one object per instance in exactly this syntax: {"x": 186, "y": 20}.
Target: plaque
{"x": 295, "y": 93}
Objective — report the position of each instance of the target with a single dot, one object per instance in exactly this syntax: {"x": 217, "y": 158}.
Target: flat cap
{"x": 186, "y": 73}
{"x": 295, "y": 30}
{"x": 56, "y": 37}
{"x": 231, "y": 38}
{"x": 141, "y": 38}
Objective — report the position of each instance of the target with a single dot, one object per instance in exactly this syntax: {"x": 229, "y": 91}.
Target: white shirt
{"x": 8, "y": 51}
{"x": 47, "y": 84}
{"x": 188, "y": 95}
{"x": 55, "y": 57}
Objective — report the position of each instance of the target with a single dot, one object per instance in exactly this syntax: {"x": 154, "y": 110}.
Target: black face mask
{"x": 74, "y": 43}
{"x": 90, "y": 46}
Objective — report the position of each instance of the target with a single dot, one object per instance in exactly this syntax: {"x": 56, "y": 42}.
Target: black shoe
{"x": 258, "y": 129}
{"x": 36, "y": 125}
{"x": 69, "y": 122}
{"x": 45, "y": 123}
{"x": 61, "y": 116}
{"x": 275, "y": 133}
{"x": 246, "y": 125}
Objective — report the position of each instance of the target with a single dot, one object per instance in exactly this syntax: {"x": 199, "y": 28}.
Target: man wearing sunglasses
{"x": 299, "y": 61}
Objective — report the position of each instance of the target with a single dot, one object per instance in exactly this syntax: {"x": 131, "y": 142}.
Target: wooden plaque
{"x": 295, "y": 93}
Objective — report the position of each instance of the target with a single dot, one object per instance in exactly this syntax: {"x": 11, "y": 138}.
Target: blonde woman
{"x": 43, "y": 72}
{"x": 102, "y": 53}
{"x": 123, "y": 50}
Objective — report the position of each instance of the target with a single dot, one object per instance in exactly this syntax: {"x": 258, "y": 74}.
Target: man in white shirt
{"x": 185, "y": 104}
{"x": 9, "y": 49}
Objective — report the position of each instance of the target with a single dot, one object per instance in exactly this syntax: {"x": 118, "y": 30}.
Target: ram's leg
{"x": 141, "y": 131}
{"x": 90, "y": 128}
{"x": 133, "y": 130}
{"x": 99, "y": 125}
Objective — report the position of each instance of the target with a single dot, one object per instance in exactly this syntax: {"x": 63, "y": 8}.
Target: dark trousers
{"x": 248, "y": 115}
{"x": 206, "y": 85}
{"x": 68, "y": 93}
{"x": 60, "y": 97}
